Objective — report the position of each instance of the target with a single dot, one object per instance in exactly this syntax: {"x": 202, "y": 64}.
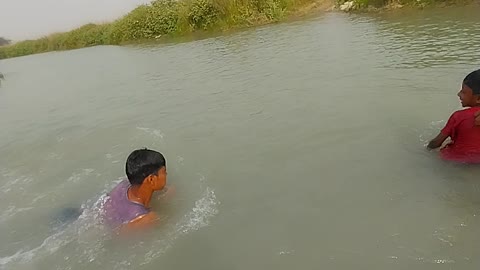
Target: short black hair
{"x": 473, "y": 81}
{"x": 141, "y": 163}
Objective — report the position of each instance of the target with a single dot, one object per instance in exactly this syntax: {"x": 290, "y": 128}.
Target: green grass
{"x": 162, "y": 18}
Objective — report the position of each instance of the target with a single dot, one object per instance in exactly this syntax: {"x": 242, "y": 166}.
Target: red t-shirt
{"x": 465, "y": 145}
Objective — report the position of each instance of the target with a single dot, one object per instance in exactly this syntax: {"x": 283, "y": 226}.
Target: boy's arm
{"x": 446, "y": 132}
{"x": 141, "y": 222}
{"x": 146, "y": 220}
{"x": 437, "y": 141}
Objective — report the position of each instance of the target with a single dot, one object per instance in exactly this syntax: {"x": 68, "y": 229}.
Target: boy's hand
{"x": 477, "y": 118}
{"x": 437, "y": 141}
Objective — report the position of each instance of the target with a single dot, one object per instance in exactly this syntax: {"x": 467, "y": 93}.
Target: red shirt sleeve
{"x": 451, "y": 125}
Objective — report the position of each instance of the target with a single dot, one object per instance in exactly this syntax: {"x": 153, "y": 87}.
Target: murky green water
{"x": 292, "y": 146}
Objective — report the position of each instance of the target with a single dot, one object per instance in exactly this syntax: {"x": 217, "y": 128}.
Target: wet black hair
{"x": 141, "y": 163}
{"x": 472, "y": 80}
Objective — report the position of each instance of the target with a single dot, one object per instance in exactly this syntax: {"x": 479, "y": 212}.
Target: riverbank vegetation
{"x": 163, "y": 18}
{"x": 169, "y": 18}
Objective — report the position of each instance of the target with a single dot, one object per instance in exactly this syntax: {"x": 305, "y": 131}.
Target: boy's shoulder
{"x": 467, "y": 111}
{"x": 463, "y": 115}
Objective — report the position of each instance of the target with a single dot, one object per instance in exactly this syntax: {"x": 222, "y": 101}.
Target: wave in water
{"x": 89, "y": 236}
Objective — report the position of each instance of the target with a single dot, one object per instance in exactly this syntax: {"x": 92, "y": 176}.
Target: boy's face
{"x": 159, "y": 180}
{"x": 467, "y": 98}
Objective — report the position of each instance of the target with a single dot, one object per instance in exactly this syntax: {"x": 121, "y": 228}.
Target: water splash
{"x": 88, "y": 221}
{"x": 88, "y": 237}
{"x": 431, "y": 131}
{"x": 155, "y": 132}
{"x": 205, "y": 208}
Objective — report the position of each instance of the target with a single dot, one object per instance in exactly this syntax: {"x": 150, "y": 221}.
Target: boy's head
{"x": 470, "y": 93}
{"x": 146, "y": 167}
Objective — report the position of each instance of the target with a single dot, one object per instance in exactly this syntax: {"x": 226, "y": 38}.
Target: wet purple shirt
{"x": 119, "y": 209}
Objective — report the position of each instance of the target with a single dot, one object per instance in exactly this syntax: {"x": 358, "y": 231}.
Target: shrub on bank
{"x": 160, "y": 18}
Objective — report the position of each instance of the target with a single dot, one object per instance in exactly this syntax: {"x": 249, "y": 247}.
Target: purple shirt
{"x": 119, "y": 209}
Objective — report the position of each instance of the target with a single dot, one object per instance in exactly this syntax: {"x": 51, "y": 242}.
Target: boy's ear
{"x": 150, "y": 177}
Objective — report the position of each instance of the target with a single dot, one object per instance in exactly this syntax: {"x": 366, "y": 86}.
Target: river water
{"x": 292, "y": 146}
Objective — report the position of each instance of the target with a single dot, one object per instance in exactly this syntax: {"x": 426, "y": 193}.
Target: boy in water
{"x": 128, "y": 204}
{"x": 461, "y": 127}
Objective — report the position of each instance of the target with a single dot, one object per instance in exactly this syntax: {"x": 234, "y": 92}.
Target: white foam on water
{"x": 155, "y": 132}
{"x": 180, "y": 160}
{"x": 48, "y": 246}
{"x": 199, "y": 216}
{"x": 53, "y": 156}
{"x": 431, "y": 131}
{"x": 11, "y": 211}
{"x": 76, "y": 177}
{"x": 286, "y": 252}
{"x": 436, "y": 261}
{"x": 90, "y": 219}
{"x": 13, "y": 180}
{"x": 88, "y": 236}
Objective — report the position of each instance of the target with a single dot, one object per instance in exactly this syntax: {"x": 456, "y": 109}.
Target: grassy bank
{"x": 165, "y": 18}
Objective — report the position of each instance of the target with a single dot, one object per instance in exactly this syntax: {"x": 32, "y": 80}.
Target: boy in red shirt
{"x": 461, "y": 128}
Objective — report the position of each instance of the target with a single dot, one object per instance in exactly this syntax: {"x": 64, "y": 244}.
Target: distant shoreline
{"x": 164, "y": 19}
